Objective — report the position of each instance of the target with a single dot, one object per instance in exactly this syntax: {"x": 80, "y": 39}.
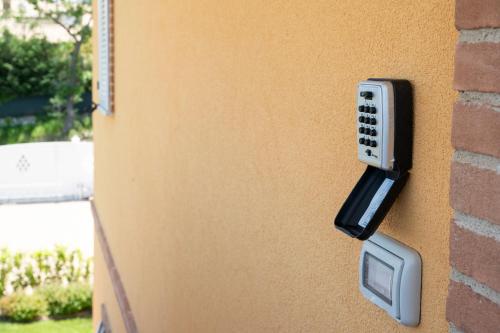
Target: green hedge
{"x": 65, "y": 301}
{"x": 54, "y": 300}
{"x": 20, "y": 307}
{"x": 19, "y": 271}
{"x": 45, "y": 128}
{"x": 54, "y": 282}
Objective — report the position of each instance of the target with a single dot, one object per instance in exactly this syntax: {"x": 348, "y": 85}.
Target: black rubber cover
{"x": 403, "y": 123}
{"x": 360, "y": 198}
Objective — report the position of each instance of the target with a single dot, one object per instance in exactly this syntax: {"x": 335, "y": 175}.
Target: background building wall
{"x": 233, "y": 146}
{"x": 474, "y": 291}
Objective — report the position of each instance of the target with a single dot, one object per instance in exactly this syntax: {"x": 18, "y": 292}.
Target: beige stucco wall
{"x": 233, "y": 147}
{"x": 103, "y": 289}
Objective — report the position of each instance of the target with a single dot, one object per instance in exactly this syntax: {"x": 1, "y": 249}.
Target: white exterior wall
{"x": 47, "y": 171}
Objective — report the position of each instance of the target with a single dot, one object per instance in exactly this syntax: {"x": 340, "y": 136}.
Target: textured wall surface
{"x": 103, "y": 289}
{"x": 233, "y": 147}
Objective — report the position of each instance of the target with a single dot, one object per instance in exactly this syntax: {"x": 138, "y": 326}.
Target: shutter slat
{"x": 104, "y": 56}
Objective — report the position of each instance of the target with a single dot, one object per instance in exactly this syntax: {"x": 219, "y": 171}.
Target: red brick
{"x": 476, "y": 256}
{"x": 476, "y": 128}
{"x": 472, "y": 14}
{"x": 471, "y": 312}
{"x": 475, "y": 191}
{"x": 477, "y": 67}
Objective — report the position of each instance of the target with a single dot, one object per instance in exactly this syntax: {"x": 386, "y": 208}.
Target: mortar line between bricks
{"x": 485, "y": 35}
{"x": 478, "y": 160}
{"x": 476, "y": 97}
{"x": 477, "y": 287}
{"x": 477, "y": 226}
{"x": 453, "y": 329}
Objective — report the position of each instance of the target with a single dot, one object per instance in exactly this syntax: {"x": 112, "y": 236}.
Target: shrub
{"x": 19, "y": 271}
{"x": 5, "y": 268}
{"x": 44, "y": 128}
{"x": 66, "y": 301}
{"x": 20, "y": 307}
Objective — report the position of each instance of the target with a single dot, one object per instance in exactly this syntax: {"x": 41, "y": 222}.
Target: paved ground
{"x": 31, "y": 227}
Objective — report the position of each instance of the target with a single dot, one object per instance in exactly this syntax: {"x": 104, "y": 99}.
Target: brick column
{"x": 474, "y": 293}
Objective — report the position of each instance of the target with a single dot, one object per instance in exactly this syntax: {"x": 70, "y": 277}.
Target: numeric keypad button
{"x": 366, "y": 94}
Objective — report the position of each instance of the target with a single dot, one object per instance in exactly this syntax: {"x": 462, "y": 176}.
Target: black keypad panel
{"x": 369, "y": 130}
{"x": 369, "y": 112}
{"x": 368, "y": 142}
{"x": 374, "y": 112}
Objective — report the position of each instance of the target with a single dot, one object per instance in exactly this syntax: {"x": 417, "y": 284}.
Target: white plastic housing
{"x": 390, "y": 276}
{"x": 381, "y": 156}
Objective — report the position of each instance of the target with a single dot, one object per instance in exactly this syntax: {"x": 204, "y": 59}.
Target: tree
{"x": 75, "y": 17}
{"x": 30, "y": 67}
{"x": 6, "y": 5}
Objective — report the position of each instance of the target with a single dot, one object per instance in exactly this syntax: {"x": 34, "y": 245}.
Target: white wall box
{"x": 390, "y": 276}
{"x": 46, "y": 172}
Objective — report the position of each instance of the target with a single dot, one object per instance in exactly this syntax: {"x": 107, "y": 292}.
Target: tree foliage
{"x": 35, "y": 66}
{"x": 74, "y": 16}
{"x": 30, "y": 67}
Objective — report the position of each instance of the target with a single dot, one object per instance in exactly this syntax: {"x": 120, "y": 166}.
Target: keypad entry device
{"x": 384, "y": 115}
{"x": 375, "y": 123}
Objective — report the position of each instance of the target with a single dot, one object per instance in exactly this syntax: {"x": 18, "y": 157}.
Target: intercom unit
{"x": 384, "y": 115}
{"x": 390, "y": 275}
